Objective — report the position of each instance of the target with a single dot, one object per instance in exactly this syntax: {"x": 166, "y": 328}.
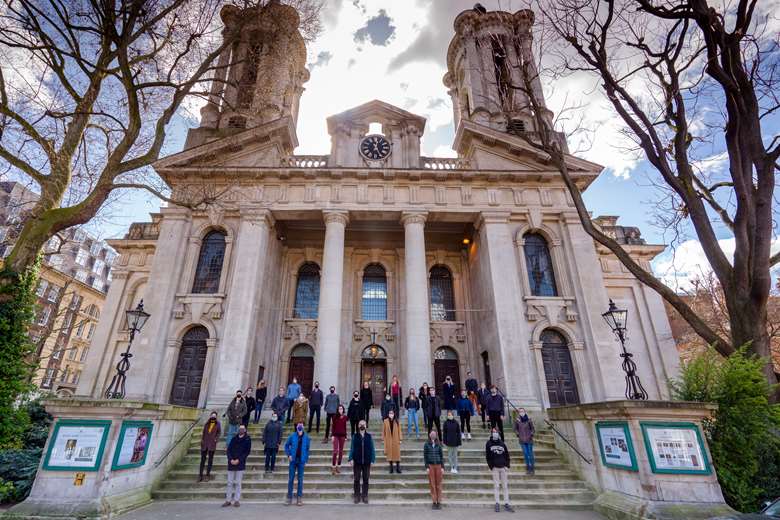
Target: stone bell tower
{"x": 485, "y": 61}
{"x": 260, "y": 78}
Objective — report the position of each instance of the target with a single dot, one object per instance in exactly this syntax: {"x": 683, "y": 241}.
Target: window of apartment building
{"x": 64, "y": 375}
{"x": 56, "y": 261}
{"x": 80, "y": 328}
{"x": 109, "y": 276}
{"x": 82, "y": 256}
{"x": 110, "y": 256}
{"x": 66, "y": 321}
{"x": 98, "y": 267}
{"x": 76, "y": 377}
{"x": 84, "y": 353}
{"x": 79, "y": 236}
{"x": 72, "y": 353}
{"x": 41, "y": 290}
{"x": 97, "y": 283}
{"x": 95, "y": 248}
{"x": 43, "y": 317}
{"x": 57, "y": 353}
{"x": 81, "y": 276}
{"x": 47, "y": 378}
{"x": 54, "y": 293}
{"x": 75, "y": 302}
{"x": 53, "y": 244}
{"x": 91, "y": 330}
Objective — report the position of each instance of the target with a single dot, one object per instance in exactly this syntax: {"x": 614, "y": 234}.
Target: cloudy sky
{"x": 395, "y": 50}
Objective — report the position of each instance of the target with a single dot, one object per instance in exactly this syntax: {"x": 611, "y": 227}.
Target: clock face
{"x": 375, "y": 147}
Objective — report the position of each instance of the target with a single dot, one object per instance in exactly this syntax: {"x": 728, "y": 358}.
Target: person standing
{"x": 293, "y": 391}
{"x": 315, "y": 405}
{"x": 449, "y": 393}
{"x": 471, "y": 383}
{"x": 412, "y": 405}
{"x": 495, "y": 410}
{"x": 300, "y": 409}
{"x": 395, "y": 393}
{"x": 482, "y": 397}
{"x": 361, "y": 456}
{"x": 279, "y": 404}
{"x": 391, "y": 435}
{"x": 465, "y": 411}
{"x": 497, "y": 457}
{"x": 388, "y": 405}
{"x": 235, "y": 414}
{"x": 250, "y": 406}
{"x": 355, "y": 412}
{"x": 524, "y": 428}
{"x": 332, "y": 403}
{"x": 297, "y": 450}
{"x": 261, "y": 394}
{"x": 338, "y": 438}
{"x": 366, "y": 400}
{"x": 433, "y": 412}
{"x": 272, "y": 439}
{"x": 237, "y": 451}
{"x": 452, "y": 440}
{"x": 208, "y": 445}
{"x": 434, "y": 462}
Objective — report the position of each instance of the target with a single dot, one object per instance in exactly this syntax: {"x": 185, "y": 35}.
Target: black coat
{"x": 355, "y": 410}
{"x": 496, "y": 454}
{"x": 472, "y": 385}
{"x": 261, "y": 394}
{"x": 279, "y": 405}
{"x": 495, "y": 404}
{"x": 482, "y": 396}
{"x": 316, "y": 399}
{"x": 450, "y": 394}
{"x": 239, "y": 448}
{"x": 250, "y": 406}
{"x": 366, "y": 398}
{"x": 272, "y": 433}
{"x": 387, "y": 405}
{"x": 450, "y": 432}
{"x": 412, "y": 404}
{"x": 433, "y": 407}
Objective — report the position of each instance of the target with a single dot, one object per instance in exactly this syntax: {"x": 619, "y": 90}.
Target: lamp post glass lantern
{"x": 136, "y": 319}
{"x": 617, "y": 319}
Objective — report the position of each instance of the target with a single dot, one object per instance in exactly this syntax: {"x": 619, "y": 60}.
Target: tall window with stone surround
{"x": 538, "y": 263}
{"x": 442, "y": 295}
{"x": 209, "y": 270}
{"x": 307, "y": 292}
{"x": 374, "y": 302}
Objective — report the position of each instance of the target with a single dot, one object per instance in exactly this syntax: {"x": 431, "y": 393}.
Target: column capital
{"x": 492, "y": 217}
{"x": 335, "y": 217}
{"x": 414, "y": 217}
{"x": 257, "y": 215}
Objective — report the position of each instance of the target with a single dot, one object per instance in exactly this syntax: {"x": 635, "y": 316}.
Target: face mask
{"x": 494, "y": 436}
{"x": 449, "y": 417}
{"x": 316, "y": 386}
{"x": 362, "y": 428}
{"x": 355, "y": 396}
{"x": 212, "y": 418}
{"x": 273, "y": 417}
{"x": 299, "y": 428}
{"x": 332, "y": 390}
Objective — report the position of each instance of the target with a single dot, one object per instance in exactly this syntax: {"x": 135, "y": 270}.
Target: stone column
{"x": 243, "y": 300}
{"x": 326, "y": 365}
{"x": 417, "y": 330}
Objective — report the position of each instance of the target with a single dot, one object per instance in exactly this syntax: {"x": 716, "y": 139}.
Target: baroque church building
{"x": 374, "y": 260}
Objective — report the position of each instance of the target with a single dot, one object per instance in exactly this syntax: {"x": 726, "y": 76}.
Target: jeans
{"x": 501, "y": 477}
{"x": 270, "y": 457}
{"x": 411, "y": 418}
{"x": 258, "y": 410}
{"x": 295, "y": 466}
{"x": 528, "y": 455}
{"x": 338, "y": 450}
{"x": 233, "y": 491}
{"x": 314, "y": 410}
{"x": 232, "y": 431}
{"x": 204, "y": 454}
{"x": 497, "y": 422}
{"x": 452, "y": 455}
{"x": 465, "y": 423}
{"x": 434, "y": 479}
{"x": 361, "y": 472}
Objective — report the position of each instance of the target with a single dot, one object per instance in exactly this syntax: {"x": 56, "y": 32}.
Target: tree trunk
{"x": 748, "y": 323}
{"x": 34, "y": 235}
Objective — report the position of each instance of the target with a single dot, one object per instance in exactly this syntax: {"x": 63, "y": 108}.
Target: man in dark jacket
{"x": 332, "y": 402}
{"x": 449, "y": 393}
{"x": 272, "y": 438}
{"x": 482, "y": 396}
{"x": 495, "y": 410}
{"x": 366, "y": 400}
{"x": 355, "y": 412}
{"x": 208, "y": 445}
{"x": 237, "y": 452}
{"x": 260, "y": 394}
{"x": 471, "y": 383}
{"x": 315, "y": 405}
{"x": 249, "y": 398}
{"x": 235, "y": 414}
{"x": 433, "y": 412}
{"x": 361, "y": 456}
{"x": 387, "y": 405}
{"x": 497, "y": 458}
{"x": 279, "y": 404}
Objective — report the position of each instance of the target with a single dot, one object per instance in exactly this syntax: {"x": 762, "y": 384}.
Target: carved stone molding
{"x": 414, "y": 218}
{"x": 195, "y": 306}
{"x": 335, "y": 217}
{"x": 300, "y": 331}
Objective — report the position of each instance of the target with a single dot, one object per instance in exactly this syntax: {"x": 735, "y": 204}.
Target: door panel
{"x": 559, "y": 374}
{"x": 187, "y": 380}
{"x": 375, "y": 372}
{"x": 443, "y": 368}
{"x": 302, "y": 368}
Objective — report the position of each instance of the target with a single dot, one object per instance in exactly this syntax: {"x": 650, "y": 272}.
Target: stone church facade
{"x": 373, "y": 260}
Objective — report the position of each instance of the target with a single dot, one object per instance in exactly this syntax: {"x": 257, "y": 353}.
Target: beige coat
{"x": 392, "y": 441}
{"x": 300, "y": 410}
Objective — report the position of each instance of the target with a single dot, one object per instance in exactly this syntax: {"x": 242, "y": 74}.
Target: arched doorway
{"x": 445, "y": 363}
{"x": 302, "y": 367}
{"x": 558, "y": 370}
{"x": 189, "y": 367}
{"x": 373, "y": 369}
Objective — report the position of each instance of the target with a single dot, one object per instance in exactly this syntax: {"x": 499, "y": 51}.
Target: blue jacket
{"x": 465, "y": 407}
{"x": 291, "y": 446}
{"x": 293, "y": 391}
{"x": 361, "y": 450}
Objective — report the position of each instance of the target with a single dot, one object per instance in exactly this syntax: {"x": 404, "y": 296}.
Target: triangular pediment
{"x": 379, "y": 111}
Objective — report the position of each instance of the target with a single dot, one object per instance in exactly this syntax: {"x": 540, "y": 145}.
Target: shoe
{"x": 527, "y": 471}
{"x": 438, "y": 506}
{"x": 398, "y": 467}
{"x": 356, "y": 499}
{"x": 468, "y": 436}
{"x": 200, "y": 479}
{"x": 338, "y": 470}
{"x": 288, "y": 501}
{"x": 333, "y": 470}
{"x": 497, "y": 509}
{"x": 392, "y": 470}
{"x": 454, "y": 471}
{"x": 299, "y": 502}
{"x": 236, "y": 504}
{"x": 324, "y": 441}
{"x": 533, "y": 471}
{"x": 463, "y": 436}
{"x": 226, "y": 504}
{"x": 208, "y": 478}
{"x": 365, "y": 500}
{"x": 508, "y": 508}
{"x": 433, "y": 506}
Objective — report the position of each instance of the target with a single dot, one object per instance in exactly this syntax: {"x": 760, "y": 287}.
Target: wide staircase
{"x": 553, "y": 486}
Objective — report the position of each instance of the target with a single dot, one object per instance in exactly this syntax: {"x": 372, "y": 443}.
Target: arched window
{"x": 374, "y": 293}
{"x": 212, "y": 254}
{"x": 442, "y": 299}
{"x": 307, "y": 292}
{"x": 538, "y": 263}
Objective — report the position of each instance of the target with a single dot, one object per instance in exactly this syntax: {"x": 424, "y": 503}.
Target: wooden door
{"x": 302, "y": 368}
{"x": 559, "y": 373}
{"x": 443, "y": 368}
{"x": 375, "y": 372}
{"x": 486, "y": 369}
{"x": 189, "y": 368}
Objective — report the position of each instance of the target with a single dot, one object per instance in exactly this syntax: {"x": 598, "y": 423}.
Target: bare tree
{"x": 683, "y": 76}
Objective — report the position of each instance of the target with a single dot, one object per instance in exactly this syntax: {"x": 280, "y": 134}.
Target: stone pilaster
{"x": 417, "y": 332}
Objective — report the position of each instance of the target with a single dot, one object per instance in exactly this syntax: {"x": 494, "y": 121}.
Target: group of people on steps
{"x": 291, "y": 406}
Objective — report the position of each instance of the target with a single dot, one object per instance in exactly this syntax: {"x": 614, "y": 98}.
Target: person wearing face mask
{"x": 452, "y": 440}
{"x": 388, "y": 405}
{"x": 433, "y": 412}
{"x": 482, "y": 396}
{"x": 465, "y": 411}
{"x": 524, "y": 428}
{"x": 279, "y": 404}
{"x": 250, "y": 406}
{"x": 366, "y": 400}
{"x": 495, "y": 411}
{"x": 293, "y": 391}
{"x": 235, "y": 414}
{"x": 497, "y": 457}
{"x": 315, "y": 405}
{"x": 300, "y": 409}
{"x": 434, "y": 462}
{"x": 355, "y": 412}
{"x": 238, "y": 450}
{"x": 449, "y": 393}
{"x": 260, "y": 395}
{"x": 297, "y": 450}
{"x": 361, "y": 456}
{"x": 395, "y": 392}
{"x": 338, "y": 439}
{"x": 272, "y": 438}
{"x": 391, "y": 435}
{"x": 208, "y": 445}
{"x": 332, "y": 403}
{"x": 412, "y": 405}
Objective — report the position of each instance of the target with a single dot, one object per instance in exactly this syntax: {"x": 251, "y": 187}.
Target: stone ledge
{"x": 617, "y": 506}
{"x": 629, "y": 408}
{"x": 90, "y": 406}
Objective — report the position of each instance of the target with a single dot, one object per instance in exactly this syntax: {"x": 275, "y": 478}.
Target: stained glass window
{"x": 307, "y": 292}
{"x": 539, "y": 264}
{"x": 442, "y": 299}
{"x": 212, "y": 254}
{"x": 374, "y": 293}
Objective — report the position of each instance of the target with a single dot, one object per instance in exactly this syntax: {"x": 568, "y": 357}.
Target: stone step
{"x": 384, "y": 481}
{"x": 257, "y": 451}
{"x": 466, "y": 468}
{"x": 572, "y": 505}
{"x": 190, "y": 473}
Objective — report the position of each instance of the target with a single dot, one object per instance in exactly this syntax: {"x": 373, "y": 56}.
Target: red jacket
{"x": 340, "y": 426}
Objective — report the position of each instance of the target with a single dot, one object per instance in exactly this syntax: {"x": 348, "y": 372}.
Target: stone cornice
{"x": 256, "y": 215}
{"x": 330, "y": 216}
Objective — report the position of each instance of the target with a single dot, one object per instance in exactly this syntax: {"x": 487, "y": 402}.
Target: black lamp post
{"x": 616, "y": 319}
{"x": 136, "y": 319}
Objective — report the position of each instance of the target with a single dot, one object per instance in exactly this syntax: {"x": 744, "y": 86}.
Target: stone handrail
{"x": 442, "y": 163}
{"x": 305, "y": 161}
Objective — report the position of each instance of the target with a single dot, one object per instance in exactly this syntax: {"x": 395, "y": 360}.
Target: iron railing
{"x": 173, "y": 446}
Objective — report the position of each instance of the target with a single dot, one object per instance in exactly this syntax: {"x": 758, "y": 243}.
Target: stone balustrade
{"x": 443, "y": 163}
{"x": 305, "y": 161}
